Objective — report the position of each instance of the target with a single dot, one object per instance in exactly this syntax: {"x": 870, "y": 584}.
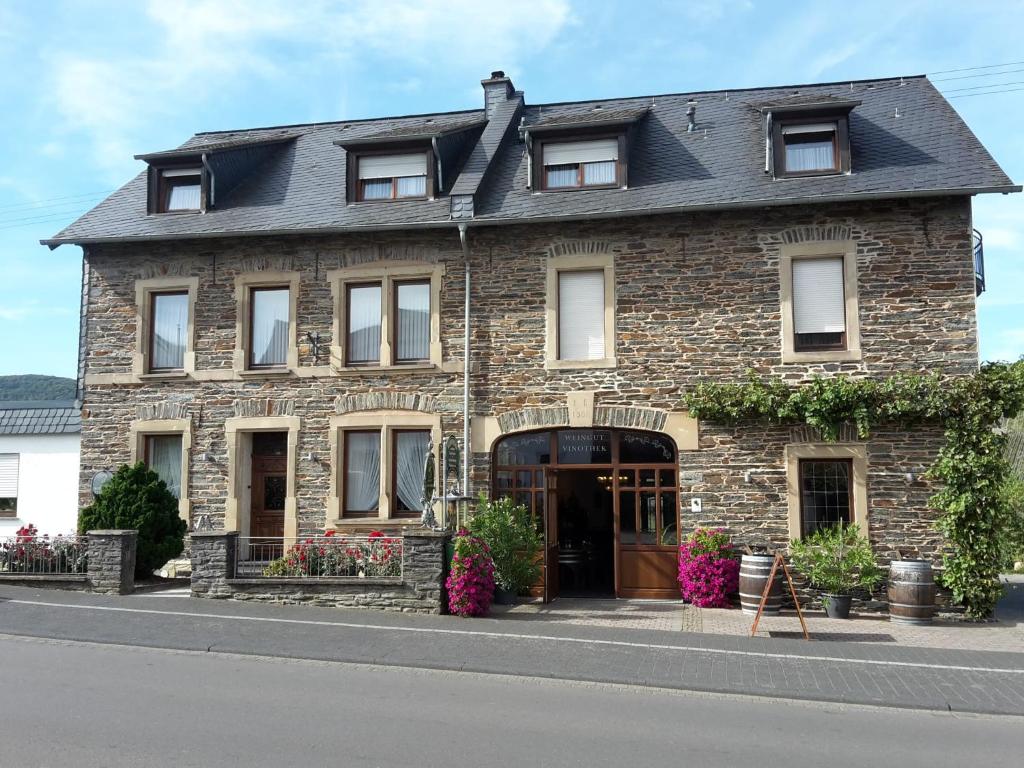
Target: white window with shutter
{"x": 581, "y": 163}
{"x": 8, "y": 484}
{"x": 383, "y": 177}
{"x": 819, "y": 302}
{"x": 581, "y": 315}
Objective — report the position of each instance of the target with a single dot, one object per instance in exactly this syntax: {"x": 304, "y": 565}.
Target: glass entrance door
{"x": 638, "y": 469}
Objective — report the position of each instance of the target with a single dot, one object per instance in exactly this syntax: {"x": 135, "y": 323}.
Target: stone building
{"x": 276, "y": 319}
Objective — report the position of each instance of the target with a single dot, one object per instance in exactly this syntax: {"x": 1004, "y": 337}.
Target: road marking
{"x": 521, "y": 636}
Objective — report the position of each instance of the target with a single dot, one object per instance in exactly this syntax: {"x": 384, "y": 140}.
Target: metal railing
{"x": 979, "y": 264}
{"x": 38, "y": 555}
{"x": 320, "y": 557}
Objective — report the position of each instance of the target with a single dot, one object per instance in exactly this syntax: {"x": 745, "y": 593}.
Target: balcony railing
{"x": 979, "y": 264}
{"x": 43, "y": 555}
{"x": 319, "y": 557}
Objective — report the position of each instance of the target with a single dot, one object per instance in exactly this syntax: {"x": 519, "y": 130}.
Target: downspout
{"x": 83, "y": 327}
{"x": 437, "y": 167}
{"x": 210, "y": 184}
{"x": 463, "y": 239}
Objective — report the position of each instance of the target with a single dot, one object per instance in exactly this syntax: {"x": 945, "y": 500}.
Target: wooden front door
{"x": 550, "y": 534}
{"x": 268, "y": 491}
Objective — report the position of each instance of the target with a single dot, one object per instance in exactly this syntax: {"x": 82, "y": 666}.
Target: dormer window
{"x": 809, "y": 140}
{"x": 180, "y": 189}
{"x": 580, "y": 164}
{"x": 811, "y": 147}
{"x": 392, "y": 177}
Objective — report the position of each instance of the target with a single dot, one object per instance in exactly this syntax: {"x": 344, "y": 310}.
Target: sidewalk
{"x": 874, "y": 674}
{"x": 1006, "y": 633}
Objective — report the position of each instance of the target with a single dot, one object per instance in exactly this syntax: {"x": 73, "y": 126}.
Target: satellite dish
{"x": 99, "y": 480}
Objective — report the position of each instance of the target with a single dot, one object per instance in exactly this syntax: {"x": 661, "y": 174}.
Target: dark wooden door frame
{"x": 550, "y": 497}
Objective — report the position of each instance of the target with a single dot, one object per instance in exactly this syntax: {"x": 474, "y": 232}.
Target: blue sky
{"x": 85, "y": 85}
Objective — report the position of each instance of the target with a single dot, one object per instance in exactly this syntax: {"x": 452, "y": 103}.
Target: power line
{"x": 990, "y": 85}
{"x": 983, "y": 93}
{"x": 52, "y": 201}
{"x": 983, "y": 74}
{"x": 68, "y": 207}
{"x": 974, "y": 69}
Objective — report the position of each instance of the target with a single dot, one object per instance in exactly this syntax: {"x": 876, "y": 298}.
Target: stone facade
{"x": 419, "y": 590}
{"x": 697, "y": 298}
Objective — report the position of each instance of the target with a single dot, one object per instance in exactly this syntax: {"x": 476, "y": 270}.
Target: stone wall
{"x": 112, "y": 561}
{"x": 697, "y": 298}
{"x": 419, "y": 590}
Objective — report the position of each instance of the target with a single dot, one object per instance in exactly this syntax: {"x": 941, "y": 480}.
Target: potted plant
{"x": 836, "y": 559}
{"x": 708, "y": 569}
{"x": 514, "y": 542}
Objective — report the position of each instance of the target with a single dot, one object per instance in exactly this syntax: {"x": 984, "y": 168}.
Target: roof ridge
{"x": 895, "y": 78}
{"x": 339, "y": 122}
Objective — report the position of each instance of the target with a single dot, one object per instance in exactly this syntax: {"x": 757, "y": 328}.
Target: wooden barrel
{"x": 911, "y": 592}
{"x": 754, "y": 572}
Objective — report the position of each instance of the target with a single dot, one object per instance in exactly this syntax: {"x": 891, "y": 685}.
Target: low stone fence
{"x": 101, "y": 561}
{"x": 419, "y": 588}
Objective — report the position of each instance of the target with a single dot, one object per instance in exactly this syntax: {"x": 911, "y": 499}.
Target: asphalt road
{"x": 64, "y": 703}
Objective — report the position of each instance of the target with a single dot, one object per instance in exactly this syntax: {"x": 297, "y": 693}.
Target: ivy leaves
{"x": 971, "y": 465}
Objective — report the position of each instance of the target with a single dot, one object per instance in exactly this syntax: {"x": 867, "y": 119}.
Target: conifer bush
{"x": 136, "y": 498}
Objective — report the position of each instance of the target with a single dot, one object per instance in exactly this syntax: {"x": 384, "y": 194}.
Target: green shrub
{"x": 836, "y": 559}
{"x": 137, "y": 499}
{"x": 1012, "y": 539}
{"x": 508, "y": 529}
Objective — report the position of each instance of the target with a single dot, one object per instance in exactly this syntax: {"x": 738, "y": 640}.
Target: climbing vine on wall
{"x": 971, "y": 465}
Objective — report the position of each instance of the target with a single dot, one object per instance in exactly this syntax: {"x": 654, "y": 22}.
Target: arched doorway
{"x": 607, "y": 501}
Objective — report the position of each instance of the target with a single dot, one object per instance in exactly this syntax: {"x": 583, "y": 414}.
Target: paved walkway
{"x": 1004, "y": 634}
{"x": 664, "y": 615}
{"x": 854, "y": 673}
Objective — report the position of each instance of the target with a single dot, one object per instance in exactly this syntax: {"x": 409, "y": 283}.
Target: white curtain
{"x": 562, "y": 176}
{"x": 599, "y": 173}
{"x": 170, "y": 325}
{"x": 270, "y": 326}
{"x": 413, "y": 321}
{"x": 362, "y": 471}
{"x": 411, "y": 455}
{"x": 377, "y": 189}
{"x": 412, "y": 186}
{"x": 364, "y": 324}
{"x": 809, "y": 147}
{"x": 183, "y": 197}
{"x": 581, "y": 315}
{"x": 819, "y": 302}
{"x": 164, "y": 457}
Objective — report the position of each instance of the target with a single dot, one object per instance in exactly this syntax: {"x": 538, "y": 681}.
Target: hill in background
{"x": 33, "y": 387}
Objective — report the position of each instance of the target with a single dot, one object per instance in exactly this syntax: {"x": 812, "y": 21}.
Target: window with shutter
{"x": 819, "y": 304}
{"x": 391, "y": 177}
{"x": 8, "y": 485}
{"x": 581, "y": 315}
{"x": 573, "y": 164}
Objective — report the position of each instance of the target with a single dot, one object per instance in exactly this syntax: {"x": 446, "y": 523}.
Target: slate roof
{"x": 40, "y": 417}
{"x": 926, "y": 150}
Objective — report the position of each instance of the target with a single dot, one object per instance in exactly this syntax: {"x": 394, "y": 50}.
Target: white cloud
{"x": 200, "y": 48}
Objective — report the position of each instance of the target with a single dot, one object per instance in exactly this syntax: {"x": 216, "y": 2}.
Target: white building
{"x": 39, "y": 454}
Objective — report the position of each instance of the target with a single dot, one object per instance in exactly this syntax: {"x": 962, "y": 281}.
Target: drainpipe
{"x": 465, "y": 367}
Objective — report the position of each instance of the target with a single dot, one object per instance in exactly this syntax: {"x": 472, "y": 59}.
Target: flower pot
{"x": 836, "y": 606}
{"x": 504, "y": 596}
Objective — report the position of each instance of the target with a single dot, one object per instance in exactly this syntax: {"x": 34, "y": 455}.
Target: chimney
{"x": 497, "y": 88}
